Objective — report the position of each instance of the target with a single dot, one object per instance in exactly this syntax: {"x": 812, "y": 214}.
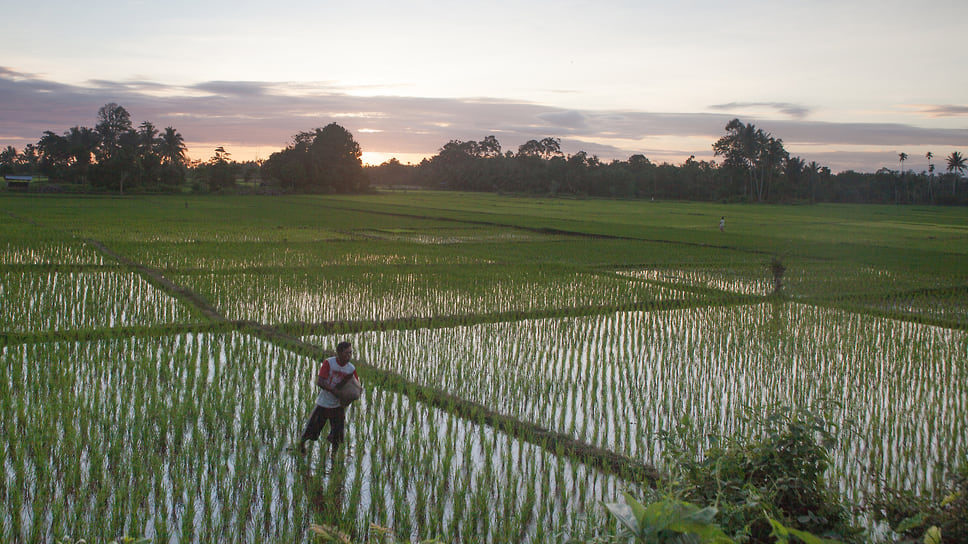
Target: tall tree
{"x": 326, "y": 160}
{"x": 489, "y": 147}
{"x": 813, "y": 173}
{"x": 749, "y": 148}
{"x": 219, "y": 172}
{"x": 82, "y": 143}
{"x": 147, "y": 140}
{"x": 901, "y": 157}
{"x": 8, "y": 160}
{"x": 336, "y": 160}
{"x": 55, "y": 154}
{"x": 113, "y": 121}
{"x": 172, "y": 148}
{"x": 28, "y": 158}
{"x": 956, "y": 167}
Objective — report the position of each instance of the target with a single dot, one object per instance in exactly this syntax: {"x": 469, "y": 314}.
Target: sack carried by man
{"x": 348, "y": 390}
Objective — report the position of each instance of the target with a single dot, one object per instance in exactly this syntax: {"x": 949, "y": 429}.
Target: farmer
{"x": 722, "y": 223}
{"x": 332, "y": 372}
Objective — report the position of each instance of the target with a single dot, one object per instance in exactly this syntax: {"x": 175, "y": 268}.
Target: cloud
{"x": 943, "y": 110}
{"x": 565, "y": 119}
{"x": 266, "y": 115}
{"x": 795, "y": 111}
{"x": 247, "y": 89}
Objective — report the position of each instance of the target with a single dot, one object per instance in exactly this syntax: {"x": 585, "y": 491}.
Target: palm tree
{"x": 929, "y": 155}
{"x": 8, "y": 155}
{"x": 901, "y": 157}
{"x": 146, "y": 138}
{"x": 956, "y": 166}
{"x": 172, "y": 148}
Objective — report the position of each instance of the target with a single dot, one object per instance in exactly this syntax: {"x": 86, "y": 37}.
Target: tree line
{"x": 114, "y": 155}
{"x": 754, "y": 167}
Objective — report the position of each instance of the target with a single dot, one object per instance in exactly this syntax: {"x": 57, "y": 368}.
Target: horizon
{"x": 850, "y": 87}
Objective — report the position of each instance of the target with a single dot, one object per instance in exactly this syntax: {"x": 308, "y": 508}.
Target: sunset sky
{"x": 849, "y": 84}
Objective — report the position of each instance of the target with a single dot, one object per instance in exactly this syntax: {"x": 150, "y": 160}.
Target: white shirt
{"x": 332, "y": 373}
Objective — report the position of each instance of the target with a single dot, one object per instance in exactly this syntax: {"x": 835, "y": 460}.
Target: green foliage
{"x": 775, "y": 472}
{"x": 921, "y": 518}
{"x": 113, "y": 156}
{"x": 667, "y": 521}
{"x": 326, "y": 160}
{"x": 784, "y": 534}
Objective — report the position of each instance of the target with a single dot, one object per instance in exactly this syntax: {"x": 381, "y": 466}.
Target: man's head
{"x": 344, "y": 352}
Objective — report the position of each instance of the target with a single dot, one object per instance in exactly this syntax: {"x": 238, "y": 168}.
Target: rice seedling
{"x": 50, "y": 301}
{"x": 378, "y": 294}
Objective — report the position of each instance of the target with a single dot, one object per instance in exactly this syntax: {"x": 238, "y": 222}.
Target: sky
{"x": 848, "y": 84}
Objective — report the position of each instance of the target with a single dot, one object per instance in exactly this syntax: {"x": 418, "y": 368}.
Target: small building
{"x": 18, "y": 182}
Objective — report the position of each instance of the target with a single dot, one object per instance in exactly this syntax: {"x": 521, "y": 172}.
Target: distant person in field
{"x": 333, "y": 372}
{"x": 722, "y": 223}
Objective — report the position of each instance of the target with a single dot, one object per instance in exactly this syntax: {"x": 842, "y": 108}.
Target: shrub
{"x": 913, "y": 517}
{"x": 778, "y": 474}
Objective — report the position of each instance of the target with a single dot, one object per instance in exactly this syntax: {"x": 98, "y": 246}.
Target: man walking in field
{"x": 333, "y": 373}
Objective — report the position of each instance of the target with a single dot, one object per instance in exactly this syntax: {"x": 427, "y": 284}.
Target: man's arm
{"x": 322, "y": 379}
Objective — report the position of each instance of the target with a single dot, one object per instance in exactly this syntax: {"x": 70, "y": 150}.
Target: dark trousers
{"x": 319, "y": 417}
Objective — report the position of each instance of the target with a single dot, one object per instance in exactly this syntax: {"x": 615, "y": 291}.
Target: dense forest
{"x": 753, "y": 166}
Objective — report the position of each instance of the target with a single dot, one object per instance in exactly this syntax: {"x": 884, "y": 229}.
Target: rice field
{"x": 184, "y": 439}
{"x": 377, "y": 294}
{"x": 616, "y": 380}
{"x": 81, "y": 299}
{"x": 604, "y": 322}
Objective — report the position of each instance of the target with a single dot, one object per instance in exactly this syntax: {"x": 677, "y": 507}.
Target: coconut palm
{"x": 172, "y": 147}
{"x": 901, "y": 157}
{"x": 956, "y": 166}
{"x": 146, "y": 138}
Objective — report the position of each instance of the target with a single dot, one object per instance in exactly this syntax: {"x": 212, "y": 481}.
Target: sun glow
{"x": 376, "y": 158}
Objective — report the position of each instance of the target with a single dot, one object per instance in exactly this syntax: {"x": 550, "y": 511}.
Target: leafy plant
{"x": 938, "y": 516}
{"x": 783, "y": 534}
{"x": 776, "y": 474}
{"x": 667, "y": 520}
